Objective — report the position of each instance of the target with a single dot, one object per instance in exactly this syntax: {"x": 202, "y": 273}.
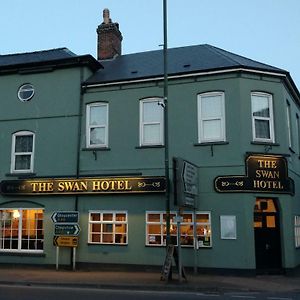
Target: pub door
{"x": 267, "y": 236}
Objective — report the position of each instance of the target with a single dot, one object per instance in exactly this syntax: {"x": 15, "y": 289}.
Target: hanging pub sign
{"x": 108, "y": 185}
{"x": 185, "y": 183}
{"x": 264, "y": 173}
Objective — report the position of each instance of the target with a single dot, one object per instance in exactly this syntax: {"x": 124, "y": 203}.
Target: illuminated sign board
{"x": 108, "y": 185}
{"x": 264, "y": 173}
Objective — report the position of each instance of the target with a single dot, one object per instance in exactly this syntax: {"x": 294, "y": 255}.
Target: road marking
{"x": 207, "y": 295}
{"x": 279, "y": 298}
{"x": 243, "y": 296}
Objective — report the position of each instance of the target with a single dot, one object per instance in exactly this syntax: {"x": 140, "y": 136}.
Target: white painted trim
{"x": 184, "y": 76}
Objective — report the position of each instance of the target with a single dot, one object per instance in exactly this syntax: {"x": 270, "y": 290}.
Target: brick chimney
{"x": 109, "y": 38}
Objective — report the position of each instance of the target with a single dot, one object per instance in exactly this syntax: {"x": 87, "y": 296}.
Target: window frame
{"x": 161, "y": 124}
{"x": 202, "y": 119}
{"x": 113, "y": 222}
{"x": 89, "y": 106}
{"x": 173, "y": 224}
{"x": 298, "y": 133}
{"x": 289, "y": 124}
{"x": 14, "y": 154}
{"x": 270, "y": 119}
{"x": 26, "y": 87}
{"x": 297, "y": 231}
{"x": 20, "y": 229}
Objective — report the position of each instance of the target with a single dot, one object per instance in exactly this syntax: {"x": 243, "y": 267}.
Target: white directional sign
{"x": 65, "y": 217}
{"x": 66, "y": 229}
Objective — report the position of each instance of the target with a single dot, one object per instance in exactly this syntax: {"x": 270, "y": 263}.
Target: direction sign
{"x": 65, "y": 241}
{"x": 66, "y": 229}
{"x": 65, "y": 217}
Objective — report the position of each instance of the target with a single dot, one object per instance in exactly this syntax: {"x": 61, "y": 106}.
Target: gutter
{"x": 93, "y": 85}
{"x": 285, "y": 75}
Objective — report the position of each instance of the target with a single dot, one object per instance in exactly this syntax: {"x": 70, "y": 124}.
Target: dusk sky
{"x": 264, "y": 30}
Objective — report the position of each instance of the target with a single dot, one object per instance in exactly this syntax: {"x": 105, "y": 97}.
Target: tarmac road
{"x": 29, "y": 292}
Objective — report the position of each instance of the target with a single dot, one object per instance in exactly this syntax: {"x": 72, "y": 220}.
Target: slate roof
{"x": 190, "y": 59}
{"x": 58, "y": 57}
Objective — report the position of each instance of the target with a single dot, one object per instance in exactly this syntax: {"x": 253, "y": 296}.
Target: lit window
{"x": 156, "y": 229}
{"x": 22, "y": 152}
{"x": 151, "y": 122}
{"x": 21, "y": 230}
{"x": 211, "y": 117}
{"x": 107, "y": 227}
{"x": 262, "y": 117}
{"x": 97, "y": 125}
{"x": 26, "y": 92}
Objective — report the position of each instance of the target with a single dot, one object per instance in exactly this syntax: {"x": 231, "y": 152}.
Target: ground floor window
{"x": 21, "y": 230}
{"x": 106, "y": 227}
{"x": 156, "y": 228}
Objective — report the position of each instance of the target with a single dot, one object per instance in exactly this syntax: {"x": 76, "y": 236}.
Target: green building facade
{"x": 85, "y": 136}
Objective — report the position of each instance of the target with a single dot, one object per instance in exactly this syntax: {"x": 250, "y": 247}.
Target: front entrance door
{"x": 267, "y": 236}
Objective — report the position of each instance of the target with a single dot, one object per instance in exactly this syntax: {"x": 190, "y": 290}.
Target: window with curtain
{"x": 211, "y": 117}
{"x": 262, "y": 117}
{"x": 22, "y": 152}
{"x": 97, "y": 125}
{"x": 151, "y": 122}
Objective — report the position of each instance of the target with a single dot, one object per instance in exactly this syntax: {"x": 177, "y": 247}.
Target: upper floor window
{"x": 97, "y": 125}
{"x": 26, "y": 92}
{"x": 289, "y": 124}
{"x": 151, "y": 122}
{"x": 262, "y": 117}
{"x": 22, "y": 152}
{"x": 298, "y": 132}
{"x": 211, "y": 117}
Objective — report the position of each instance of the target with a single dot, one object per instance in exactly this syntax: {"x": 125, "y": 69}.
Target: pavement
{"x": 145, "y": 280}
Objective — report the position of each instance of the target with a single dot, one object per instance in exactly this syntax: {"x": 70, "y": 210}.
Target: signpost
{"x": 66, "y": 231}
{"x": 65, "y": 241}
{"x": 65, "y": 217}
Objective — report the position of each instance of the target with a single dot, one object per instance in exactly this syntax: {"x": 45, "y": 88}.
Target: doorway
{"x": 267, "y": 236}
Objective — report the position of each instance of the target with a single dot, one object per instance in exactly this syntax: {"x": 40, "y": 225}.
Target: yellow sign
{"x": 65, "y": 241}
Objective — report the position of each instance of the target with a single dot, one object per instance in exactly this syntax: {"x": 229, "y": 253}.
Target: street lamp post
{"x": 166, "y": 123}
